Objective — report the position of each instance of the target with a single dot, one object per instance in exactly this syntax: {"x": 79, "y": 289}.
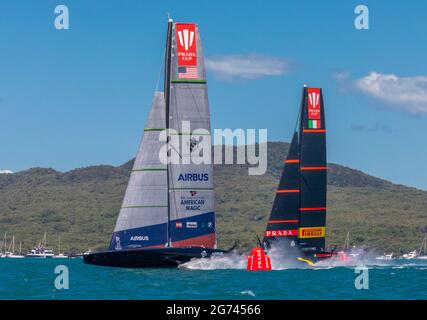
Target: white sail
{"x": 143, "y": 217}
{"x": 192, "y": 217}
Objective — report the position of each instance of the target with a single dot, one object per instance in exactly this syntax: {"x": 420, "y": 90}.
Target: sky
{"x": 80, "y": 97}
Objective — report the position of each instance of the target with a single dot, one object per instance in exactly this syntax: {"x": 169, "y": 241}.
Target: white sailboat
{"x": 156, "y": 226}
{"x": 11, "y": 254}
{"x": 418, "y": 254}
{"x": 41, "y": 251}
{"x": 60, "y": 255}
{"x": 343, "y": 255}
{"x": 423, "y": 249}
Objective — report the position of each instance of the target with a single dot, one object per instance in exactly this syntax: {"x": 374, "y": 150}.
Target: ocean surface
{"x": 218, "y": 278}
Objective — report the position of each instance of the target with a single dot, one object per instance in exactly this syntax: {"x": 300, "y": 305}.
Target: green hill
{"x": 82, "y": 205}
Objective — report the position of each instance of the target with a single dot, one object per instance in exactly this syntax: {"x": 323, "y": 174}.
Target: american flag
{"x": 187, "y": 73}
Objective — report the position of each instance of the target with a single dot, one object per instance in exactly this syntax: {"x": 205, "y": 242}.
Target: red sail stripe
{"x": 205, "y": 241}
{"x": 313, "y": 168}
{"x": 282, "y": 221}
{"x": 291, "y": 161}
{"x": 323, "y": 255}
{"x": 313, "y": 209}
{"x": 314, "y": 130}
{"x": 288, "y": 191}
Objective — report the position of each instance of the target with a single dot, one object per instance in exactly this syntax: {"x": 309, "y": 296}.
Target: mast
{"x": 167, "y": 103}
{"x": 10, "y": 246}
{"x": 423, "y": 245}
{"x": 3, "y": 243}
{"x": 44, "y": 242}
{"x": 347, "y": 242}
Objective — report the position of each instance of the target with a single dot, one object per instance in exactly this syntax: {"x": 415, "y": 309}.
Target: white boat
{"x": 411, "y": 255}
{"x": 421, "y": 253}
{"x": 11, "y": 252}
{"x": 60, "y": 255}
{"x": 41, "y": 251}
{"x": 385, "y": 256}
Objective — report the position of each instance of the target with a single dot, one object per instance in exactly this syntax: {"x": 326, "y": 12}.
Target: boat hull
{"x": 314, "y": 258}
{"x": 148, "y": 258}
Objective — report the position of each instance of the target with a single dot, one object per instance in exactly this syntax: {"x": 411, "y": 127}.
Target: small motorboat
{"x": 385, "y": 256}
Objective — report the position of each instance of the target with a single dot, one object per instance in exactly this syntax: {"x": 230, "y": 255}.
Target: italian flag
{"x": 313, "y": 124}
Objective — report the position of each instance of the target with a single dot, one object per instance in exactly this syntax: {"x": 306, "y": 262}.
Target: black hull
{"x": 148, "y": 258}
{"x": 316, "y": 257}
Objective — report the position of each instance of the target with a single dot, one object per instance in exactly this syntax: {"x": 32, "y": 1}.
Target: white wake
{"x": 282, "y": 261}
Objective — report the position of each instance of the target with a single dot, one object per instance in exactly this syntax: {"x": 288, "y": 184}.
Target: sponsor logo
{"x": 178, "y": 224}
{"x": 193, "y": 143}
{"x": 186, "y": 44}
{"x": 139, "y": 238}
{"x": 313, "y": 103}
{"x": 313, "y": 232}
{"x": 191, "y": 224}
{"x": 193, "y": 177}
{"x": 307, "y": 249}
{"x": 192, "y": 204}
{"x": 118, "y": 245}
{"x": 281, "y": 233}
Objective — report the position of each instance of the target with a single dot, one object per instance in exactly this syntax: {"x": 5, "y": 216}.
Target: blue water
{"x": 34, "y": 279}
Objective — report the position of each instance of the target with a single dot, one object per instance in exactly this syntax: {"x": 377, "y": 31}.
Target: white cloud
{"x": 246, "y": 67}
{"x": 6, "y": 172}
{"x": 407, "y": 94}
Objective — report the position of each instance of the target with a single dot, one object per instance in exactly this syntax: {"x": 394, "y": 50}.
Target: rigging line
{"x": 160, "y": 70}
{"x": 298, "y": 119}
{"x": 178, "y": 124}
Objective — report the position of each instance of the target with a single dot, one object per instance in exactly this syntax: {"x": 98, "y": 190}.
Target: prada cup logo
{"x": 314, "y": 99}
{"x": 186, "y": 38}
